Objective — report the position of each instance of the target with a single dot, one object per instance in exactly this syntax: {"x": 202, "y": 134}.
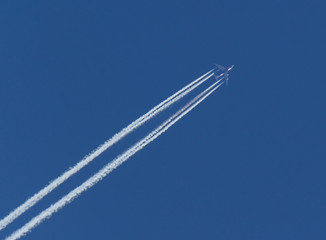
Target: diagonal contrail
{"x": 87, "y": 159}
{"x": 113, "y": 165}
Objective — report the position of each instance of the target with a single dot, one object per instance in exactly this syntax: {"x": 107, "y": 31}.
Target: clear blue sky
{"x": 249, "y": 163}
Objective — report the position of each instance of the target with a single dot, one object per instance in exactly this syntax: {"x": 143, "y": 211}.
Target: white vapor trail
{"x": 112, "y": 165}
{"x": 90, "y": 157}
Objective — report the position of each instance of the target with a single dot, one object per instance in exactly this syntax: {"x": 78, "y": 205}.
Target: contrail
{"x": 112, "y": 165}
{"x": 90, "y": 157}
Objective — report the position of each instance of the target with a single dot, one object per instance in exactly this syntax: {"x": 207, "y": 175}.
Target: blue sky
{"x": 248, "y": 163}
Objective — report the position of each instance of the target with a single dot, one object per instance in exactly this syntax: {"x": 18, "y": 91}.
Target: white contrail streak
{"x": 112, "y": 165}
{"x": 90, "y": 157}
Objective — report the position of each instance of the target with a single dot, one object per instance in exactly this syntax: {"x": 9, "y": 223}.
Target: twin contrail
{"x": 114, "y": 164}
{"x": 117, "y": 137}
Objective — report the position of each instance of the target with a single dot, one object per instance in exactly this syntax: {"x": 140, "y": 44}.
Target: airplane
{"x": 225, "y": 73}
